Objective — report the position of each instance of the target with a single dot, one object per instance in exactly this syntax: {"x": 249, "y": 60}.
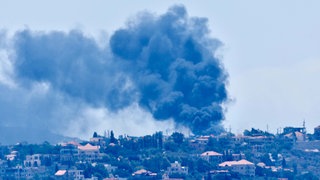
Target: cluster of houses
{"x": 238, "y": 165}
{"x": 224, "y": 164}
{"x": 50, "y": 165}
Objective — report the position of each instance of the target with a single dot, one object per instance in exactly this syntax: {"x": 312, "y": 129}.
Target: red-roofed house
{"x": 89, "y": 153}
{"x": 212, "y": 157}
{"x": 243, "y": 167}
{"x": 142, "y": 174}
{"x": 69, "y": 174}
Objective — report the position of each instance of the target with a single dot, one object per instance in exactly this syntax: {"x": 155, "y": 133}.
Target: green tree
{"x": 156, "y": 163}
{"x": 171, "y": 146}
{"x": 308, "y": 176}
{"x": 112, "y": 138}
{"x": 95, "y": 134}
{"x": 100, "y": 171}
{"x": 177, "y": 137}
{"x": 284, "y": 163}
{"x": 266, "y": 159}
{"x": 203, "y": 166}
{"x": 56, "y": 168}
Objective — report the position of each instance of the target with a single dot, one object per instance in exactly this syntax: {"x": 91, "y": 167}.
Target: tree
{"x": 158, "y": 140}
{"x": 47, "y": 161}
{"x": 284, "y": 163}
{"x": 100, "y": 171}
{"x": 56, "y": 168}
{"x": 177, "y": 137}
{"x": 171, "y": 146}
{"x": 87, "y": 170}
{"x": 112, "y": 138}
{"x": 308, "y": 175}
{"x": 266, "y": 160}
{"x": 95, "y": 134}
{"x": 203, "y": 166}
{"x": 156, "y": 163}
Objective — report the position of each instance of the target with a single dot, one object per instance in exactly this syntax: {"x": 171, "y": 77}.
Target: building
{"x": 316, "y": 133}
{"x": 98, "y": 141}
{"x": 288, "y": 130}
{"x": 89, "y": 153}
{"x": 237, "y": 157}
{"x": 219, "y": 174}
{"x": 176, "y": 168}
{"x": 68, "y": 154}
{"x": 144, "y": 174}
{"x": 12, "y": 156}
{"x": 212, "y": 157}
{"x": 32, "y": 160}
{"x": 243, "y": 167}
{"x": 199, "y": 143}
{"x": 111, "y": 169}
{"x": 69, "y": 174}
{"x": 296, "y": 136}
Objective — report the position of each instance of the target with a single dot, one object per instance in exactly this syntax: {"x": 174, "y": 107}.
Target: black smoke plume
{"x": 166, "y": 63}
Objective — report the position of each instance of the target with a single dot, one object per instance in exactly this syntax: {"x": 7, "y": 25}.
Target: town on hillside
{"x": 292, "y": 153}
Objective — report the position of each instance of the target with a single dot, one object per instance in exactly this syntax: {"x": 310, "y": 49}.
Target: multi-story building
{"x": 33, "y": 160}
{"x": 68, "y": 154}
{"x": 89, "y": 153}
{"x": 243, "y": 167}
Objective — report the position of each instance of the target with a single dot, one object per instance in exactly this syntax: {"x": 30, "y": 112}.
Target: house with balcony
{"x": 33, "y": 160}
{"x": 89, "y": 153}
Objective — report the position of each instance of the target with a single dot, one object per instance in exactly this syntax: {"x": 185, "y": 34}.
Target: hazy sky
{"x": 271, "y": 48}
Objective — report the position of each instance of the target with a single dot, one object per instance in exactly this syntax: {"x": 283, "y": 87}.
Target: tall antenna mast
{"x": 304, "y": 126}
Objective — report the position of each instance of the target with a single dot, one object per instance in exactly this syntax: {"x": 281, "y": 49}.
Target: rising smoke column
{"x": 164, "y": 63}
{"x": 172, "y": 63}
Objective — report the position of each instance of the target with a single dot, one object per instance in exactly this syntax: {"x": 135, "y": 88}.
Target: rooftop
{"x": 211, "y": 153}
{"x": 88, "y": 147}
{"x": 232, "y": 163}
{"x": 60, "y": 172}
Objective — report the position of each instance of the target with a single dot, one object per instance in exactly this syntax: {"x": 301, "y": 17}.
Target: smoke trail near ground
{"x": 164, "y": 64}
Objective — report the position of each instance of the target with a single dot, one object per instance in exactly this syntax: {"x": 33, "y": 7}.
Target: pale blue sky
{"x": 271, "y": 48}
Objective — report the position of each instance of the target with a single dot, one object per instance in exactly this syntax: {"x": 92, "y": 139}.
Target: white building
{"x": 176, "y": 168}
{"x": 12, "y": 156}
{"x": 111, "y": 169}
{"x": 32, "y": 160}
{"x": 243, "y": 167}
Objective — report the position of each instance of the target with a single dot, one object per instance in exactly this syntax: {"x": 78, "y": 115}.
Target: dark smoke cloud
{"x": 72, "y": 64}
{"x": 172, "y": 62}
{"x": 165, "y": 63}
